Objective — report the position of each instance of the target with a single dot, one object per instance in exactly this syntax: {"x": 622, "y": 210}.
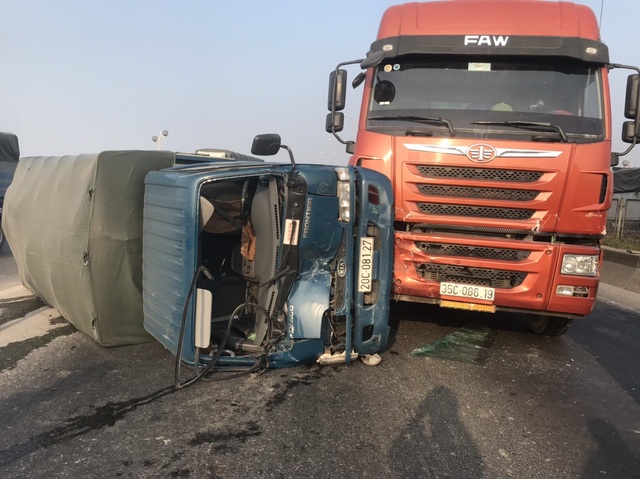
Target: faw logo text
{"x": 486, "y": 40}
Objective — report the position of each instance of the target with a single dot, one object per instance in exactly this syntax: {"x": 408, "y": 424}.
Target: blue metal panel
{"x": 308, "y": 302}
{"x": 374, "y": 318}
{"x": 168, "y": 255}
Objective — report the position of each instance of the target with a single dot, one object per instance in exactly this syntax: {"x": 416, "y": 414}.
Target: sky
{"x": 82, "y": 76}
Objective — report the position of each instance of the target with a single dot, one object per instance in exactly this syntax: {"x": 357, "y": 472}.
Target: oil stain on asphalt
{"x": 103, "y": 416}
{"x": 14, "y": 352}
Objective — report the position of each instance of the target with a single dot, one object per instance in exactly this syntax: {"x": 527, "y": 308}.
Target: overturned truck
{"x": 229, "y": 260}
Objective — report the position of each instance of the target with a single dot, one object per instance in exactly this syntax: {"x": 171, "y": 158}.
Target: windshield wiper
{"x": 528, "y": 125}
{"x": 427, "y": 120}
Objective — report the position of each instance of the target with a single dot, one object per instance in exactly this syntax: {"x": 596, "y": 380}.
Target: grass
{"x": 628, "y": 243}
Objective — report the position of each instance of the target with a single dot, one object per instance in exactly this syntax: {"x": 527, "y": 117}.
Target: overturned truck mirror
{"x": 266, "y": 145}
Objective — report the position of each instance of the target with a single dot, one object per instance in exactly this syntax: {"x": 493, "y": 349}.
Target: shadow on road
{"x": 612, "y": 458}
{"x": 420, "y": 448}
{"x": 452, "y": 318}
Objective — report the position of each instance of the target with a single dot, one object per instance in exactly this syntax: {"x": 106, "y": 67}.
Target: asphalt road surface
{"x": 456, "y": 396}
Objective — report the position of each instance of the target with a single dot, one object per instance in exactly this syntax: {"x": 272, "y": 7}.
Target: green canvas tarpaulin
{"x": 74, "y": 224}
{"x": 626, "y": 180}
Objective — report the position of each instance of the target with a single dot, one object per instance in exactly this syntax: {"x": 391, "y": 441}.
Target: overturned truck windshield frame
{"x": 410, "y": 93}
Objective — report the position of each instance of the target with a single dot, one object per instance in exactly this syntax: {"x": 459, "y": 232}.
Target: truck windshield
{"x": 487, "y": 97}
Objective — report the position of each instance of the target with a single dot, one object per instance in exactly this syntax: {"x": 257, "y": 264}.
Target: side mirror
{"x": 337, "y": 90}
{"x": 631, "y": 98}
{"x": 630, "y": 128}
{"x": 629, "y": 133}
{"x": 266, "y": 145}
{"x": 357, "y": 81}
{"x": 335, "y": 122}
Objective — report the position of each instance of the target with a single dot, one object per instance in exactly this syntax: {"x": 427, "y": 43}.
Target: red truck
{"x": 493, "y": 121}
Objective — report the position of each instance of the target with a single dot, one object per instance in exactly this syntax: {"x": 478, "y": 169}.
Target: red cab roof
{"x": 490, "y": 17}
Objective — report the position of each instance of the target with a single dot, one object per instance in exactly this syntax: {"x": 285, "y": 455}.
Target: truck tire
{"x": 1, "y": 238}
{"x": 548, "y": 325}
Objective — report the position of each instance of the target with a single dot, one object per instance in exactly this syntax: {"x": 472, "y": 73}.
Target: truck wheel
{"x": 548, "y": 325}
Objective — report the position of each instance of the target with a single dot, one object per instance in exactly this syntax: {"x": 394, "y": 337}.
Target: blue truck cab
{"x": 252, "y": 262}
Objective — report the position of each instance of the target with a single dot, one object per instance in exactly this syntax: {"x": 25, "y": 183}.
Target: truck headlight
{"x": 579, "y": 265}
{"x": 344, "y": 194}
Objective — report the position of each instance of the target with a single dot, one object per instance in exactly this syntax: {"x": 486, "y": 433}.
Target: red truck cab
{"x": 493, "y": 121}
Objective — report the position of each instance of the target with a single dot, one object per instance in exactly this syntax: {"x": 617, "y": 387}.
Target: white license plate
{"x": 469, "y": 291}
{"x": 365, "y": 267}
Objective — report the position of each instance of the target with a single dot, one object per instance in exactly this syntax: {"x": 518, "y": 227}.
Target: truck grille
{"x": 487, "y": 174}
{"x": 340, "y": 283}
{"x": 474, "y": 192}
{"x": 502, "y": 279}
{"x": 475, "y": 211}
{"x": 499, "y": 254}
